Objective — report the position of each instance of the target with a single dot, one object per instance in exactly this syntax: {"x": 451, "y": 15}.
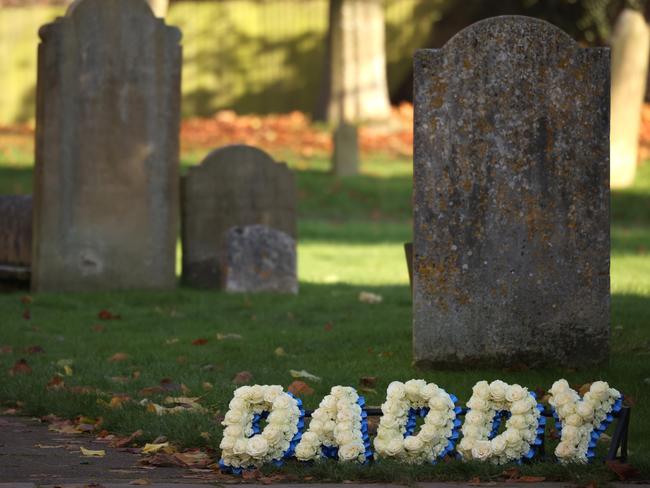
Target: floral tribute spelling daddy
{"x": 339, "y": 427}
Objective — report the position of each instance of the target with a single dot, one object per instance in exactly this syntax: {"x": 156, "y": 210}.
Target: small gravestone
{"x": 107, "y": 149}
{"x": 345, "y": 156}
{"x": 630, "y": 47}
{"x": 511, "y": 199}
{"x": 260, "y": 259}
{"x": 15, "y": 241}
{"x": 234, "y": 186}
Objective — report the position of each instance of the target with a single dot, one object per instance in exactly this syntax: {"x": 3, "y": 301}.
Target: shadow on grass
{"x": 15, "y": 180}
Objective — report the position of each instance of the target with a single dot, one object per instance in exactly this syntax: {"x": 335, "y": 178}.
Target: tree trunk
{"x": 159, "y": 7}
{"x": 630, "y": 46}
{"x": 356, "y": 78}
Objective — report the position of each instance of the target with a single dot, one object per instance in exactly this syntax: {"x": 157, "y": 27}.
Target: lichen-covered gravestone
{"x": 234, "y": 186}
{"x": 511, "y": 201}
{"x": 107, "y": 149}
{"x": 260, "y": 259}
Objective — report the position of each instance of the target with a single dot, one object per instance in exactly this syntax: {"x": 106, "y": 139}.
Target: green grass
{"x": 351, "y": 236}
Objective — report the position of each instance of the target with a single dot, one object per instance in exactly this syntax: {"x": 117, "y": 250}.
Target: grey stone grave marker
{"x": 234, "y": 186}
{"x": 107, "y": 149}
{"x": 511, "y": 199}
{"x": 260, "y": 259}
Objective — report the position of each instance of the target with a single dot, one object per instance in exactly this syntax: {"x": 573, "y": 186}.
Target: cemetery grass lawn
{"x": 351, "y": 236}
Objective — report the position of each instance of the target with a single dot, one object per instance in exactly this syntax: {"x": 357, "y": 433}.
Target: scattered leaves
{"x": 279, "y": 351}
{"x": 304, "y": 375}
{"x": 21, "y": 367}
{"x": 118, "y": 356}
{"x": 154, "y": 448}
{"x": 56, "y": 383}
{"x": 92, "y": 453}
{"x": 201, "y": 341}
{"x": 371, "y": 298}
{"x": 120, "y": 442}
{"x": 223, "y": 337}
{"x": 299, "y": 388}
{"x": 107, "y": 315}
{"x": 34, "y": 350}
{"x": 242, "y": 378}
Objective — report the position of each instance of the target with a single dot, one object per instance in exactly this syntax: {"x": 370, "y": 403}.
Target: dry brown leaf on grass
{"x": 154, "y": 448}
{"x": 120, "y": 442}
{"x": 242, "y": 378}
{"x": 140, "y": 482}
{"x": 107, "y": 315}
{"x": 34, "y": 350}
{"x": 118, "y": 356}
{"x": 55, "y": 383}
{"x": 299, "y": 388}
{"x": 279, "y": 351}
{"x": 6, "y": 350}
{"x": 20, "y": 367}
{"x": 223, "y": 337}
{"x": 92, "y": 453}
{"x": 368, "y": 381}
{"x": 201, "y": 341}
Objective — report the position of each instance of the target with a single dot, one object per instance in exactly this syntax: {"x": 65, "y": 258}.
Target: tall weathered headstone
{"x": 511, "y": 200}
{"x": 234, "y": 186}
{"x": 107, "y": 149}
{"x": 630, "y": 48}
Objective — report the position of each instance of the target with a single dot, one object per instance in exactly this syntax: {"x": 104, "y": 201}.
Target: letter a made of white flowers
{"x": 523, "y": 430}
{"x": 404, "y": 402}
{"x": 338, "y": 429}
{"x": 581, "y": 422}
{"x": 244, "y": 444}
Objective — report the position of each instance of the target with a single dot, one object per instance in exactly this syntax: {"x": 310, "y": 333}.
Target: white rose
{"x": 512, "y": 437}
{"x": 574, "y": 419}
{"x": 396, "y": 390}
{"x": 482, "y": 450}
{"x": 498, "y": 391}
{"x": 344, "y": 415}
{"x": 512, "y": 453}
{"x": 240, "y": 446}
{"x": 257, "y": 446}
{"x": 476, "y": 403}
{"x": 499, "y": 444}
{"x": 243, "y": 392}
{"x": 279, "y": 416}
{"x": 481, "y": 390}
{"x": 235, "y": 430}
{"x": 566, "y": 410}
{"x": 283, "y": 402}
{"x": 615, "y": 394}
{"x": 227, "y": 443}
{"x": 305, "y": 452}
{"x": 560, "y": 386}
{"x": 328, "y": 403}
{"x": 600, "y": 389}
{"x": 466, "y": 444}
{"x": 413, "y": 443}
{"x": 514, "y": 393}
{"x": 388, "y": 421}
{"x": 316, "y": 426}
{"x": 429, "y": 391}
{"x": 272, "y": 392}
{"x": 413, "y": 388}
{"x": 520, "y": 407}
{"x": 475, "y": 417}
{"x": 586, "y": 410}
{"x": 256, "y": 394}
{"x": 439, "y": 403}
{"x": 233, "y": 417}
{"x": 350, "y": 452}
{"x": 394, "y": 447}
{"x": 345, "y": 437}
{"x": 562, "y": 398}
{"x": 472, "y": 431}
{"x": 570, "y": 434}
{"x": 273, "y": 433}
{"x": 565, "y": 450}
{"x": 517, "y": 422}
{"x": 236, "y": 403}
{"x": 435, "y": 419}
{"x": 428, "y": 433}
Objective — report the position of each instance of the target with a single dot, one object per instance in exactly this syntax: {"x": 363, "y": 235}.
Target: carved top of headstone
{"x": 511, "y": 206}
{"x": 88, "y": 15}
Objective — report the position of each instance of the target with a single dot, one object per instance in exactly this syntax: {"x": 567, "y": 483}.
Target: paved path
{"x": 33, "y": 457}
{"x": 30, "y": 453}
